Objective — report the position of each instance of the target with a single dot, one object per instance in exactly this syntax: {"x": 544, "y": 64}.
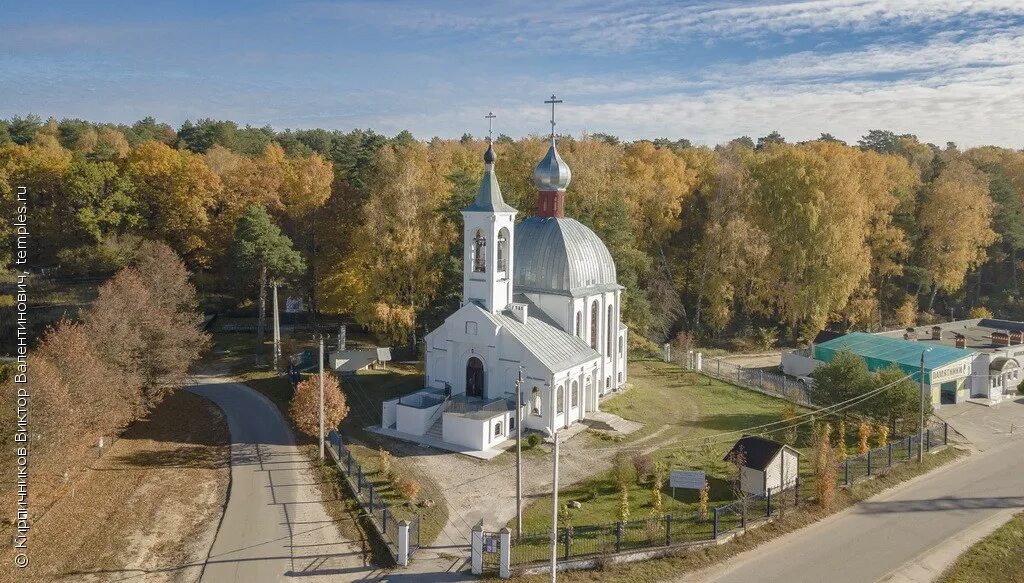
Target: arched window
{"x": 620, "y": 346}
{"x": 479, "y": 252}
{"x": 503, "y": 250}
{"x": 608, "y": 382}
{"x": 535, "y": 402}
{"x": 475, "y": 377}
{"x": 511, "y": 423}
{"x": 575, "y": 398}
{"x": 608, "y": 332}
{"x": 579, "y": 324}
{"x": 497, "y": 429}
{"x": 593, "y": 325}
{"x": 560, "y": 400}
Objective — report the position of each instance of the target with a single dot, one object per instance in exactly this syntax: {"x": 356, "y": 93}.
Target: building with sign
{"x": 977, "y": 358}
{"x": 766, "y": 466}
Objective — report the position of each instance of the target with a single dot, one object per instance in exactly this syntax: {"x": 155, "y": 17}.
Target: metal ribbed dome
{"x": 562, "y": 256}
{"x": 552, "y": 173}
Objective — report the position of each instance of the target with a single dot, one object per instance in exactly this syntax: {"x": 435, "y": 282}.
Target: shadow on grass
{"x": 734, "y": 421}
{"x": 197, "y": 457}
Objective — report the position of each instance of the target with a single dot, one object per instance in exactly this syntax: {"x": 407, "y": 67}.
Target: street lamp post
{"x": 519, "y": 455}
{"x": 920, "y": 421}
{"x": 321, "y": 397}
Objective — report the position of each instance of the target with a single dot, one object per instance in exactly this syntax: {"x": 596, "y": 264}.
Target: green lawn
{"x": 678, "y": 408}
{"x": 997, "y": 558}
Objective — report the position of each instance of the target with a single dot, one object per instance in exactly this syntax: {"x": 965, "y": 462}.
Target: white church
{"x": 540, "y": 299}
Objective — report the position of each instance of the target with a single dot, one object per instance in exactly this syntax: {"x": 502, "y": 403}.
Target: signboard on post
{"x": 690, "y": 479}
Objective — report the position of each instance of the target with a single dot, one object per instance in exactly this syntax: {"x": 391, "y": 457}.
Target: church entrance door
{"x": 475, "y": 378}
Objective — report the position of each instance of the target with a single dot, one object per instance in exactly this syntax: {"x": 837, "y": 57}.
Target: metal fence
{"x": 585, "y": 541}
{"x": 379, "y": 512}
{"x": 859, "y": 467}
{"x": 596, "y": 540}
{"x": 758, "y": 379}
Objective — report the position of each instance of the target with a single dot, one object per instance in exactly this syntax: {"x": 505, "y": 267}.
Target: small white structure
{"x": 352, "y": 360}
{"x": 540, "y": 299}
{"x": 767, "y": 465}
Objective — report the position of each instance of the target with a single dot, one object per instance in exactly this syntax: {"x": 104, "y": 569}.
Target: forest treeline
{"x": 709, "y": 241}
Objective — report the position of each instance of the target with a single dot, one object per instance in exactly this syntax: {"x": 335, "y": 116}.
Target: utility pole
{"x": 519, "y": 454}
{"x": 277, "y": 328}
{"x": 321, "y": 396}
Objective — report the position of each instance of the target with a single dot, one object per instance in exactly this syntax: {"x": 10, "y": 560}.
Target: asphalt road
{"x": 274, "y": 526}
{"x": 877, "y": 539}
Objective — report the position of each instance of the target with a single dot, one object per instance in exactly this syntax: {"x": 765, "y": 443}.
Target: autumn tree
{"x": 955, "y": 220}
{"x": 824, "y": 469}
{"x": 260, "y": 252}
{"x": 304, "y": 408}
{"x": 176, "y": 190}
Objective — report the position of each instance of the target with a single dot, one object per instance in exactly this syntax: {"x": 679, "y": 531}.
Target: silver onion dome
{"x": 552, "y": 173}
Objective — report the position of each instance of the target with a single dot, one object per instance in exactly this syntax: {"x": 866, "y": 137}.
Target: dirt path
{"x": 477, "y": 490}
{"x": 147, "y": 510}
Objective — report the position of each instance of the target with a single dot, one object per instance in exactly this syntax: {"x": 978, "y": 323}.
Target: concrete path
{"x": 906, "y": 534}
{"x": 274, "y": 527}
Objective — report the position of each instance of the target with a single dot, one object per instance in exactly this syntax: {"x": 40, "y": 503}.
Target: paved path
{"x": 274, "y": 527}
{"x": 886, "y": 538}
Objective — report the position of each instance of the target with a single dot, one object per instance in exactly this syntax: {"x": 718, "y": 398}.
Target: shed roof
{"x": 758, "y": 452}
{"x": 882, "y": 351}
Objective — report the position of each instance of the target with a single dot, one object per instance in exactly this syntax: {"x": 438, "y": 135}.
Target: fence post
{"x": 910, "y": 451}
{"x": 403, "y": 543}
{"x": 869, "y": 462}
{"x": 715, "y": 531}
{"x": 945, "y": 434}
{"x": 768, "y": 508}
{"x": 565, "y": 542}
{"x": 668, "y": 530}
{"x": 743, "y": 515}
{"x": 796, "y": 492}
{"x": 760, "y": 379}
{"x": 889, "y": 446}
{"x": 359, "y": 479}
{"x": 349, "y": 472}
{"x": 504, "y": 553}
{"x": 928, "y": 439}
{"x": 618, "y": 536}
{"x": 371, "y": 498}
{"x": 476, "y": 543}
{"x": 719, "y": 366}
{"x": 846, "y": 471}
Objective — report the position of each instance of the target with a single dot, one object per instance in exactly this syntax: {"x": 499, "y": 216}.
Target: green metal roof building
{"x": 881, "y": 352}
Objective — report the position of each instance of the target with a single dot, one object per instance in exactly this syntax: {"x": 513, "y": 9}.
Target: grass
{"x": 997, "y": 558}
{"x": 678, "y": 408}
{"x": 160, "y": 491}
{"x": 694, "y": 560}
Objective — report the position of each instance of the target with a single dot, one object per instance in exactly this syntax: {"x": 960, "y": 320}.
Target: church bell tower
{"x": 489, "y": 226}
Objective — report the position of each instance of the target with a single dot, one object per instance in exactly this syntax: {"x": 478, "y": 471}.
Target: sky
{"x": 945, "y": 70}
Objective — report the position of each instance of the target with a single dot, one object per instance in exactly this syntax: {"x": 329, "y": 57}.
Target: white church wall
{"x": 464, "y": 431}
{"x": 415, "y": 420}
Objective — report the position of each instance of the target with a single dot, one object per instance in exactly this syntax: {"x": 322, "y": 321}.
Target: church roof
{"x": 562, "y": 256}
{"x": 556, "y": 349}
{"x": 488, "y": 196}
{"x": 552, "y": 173}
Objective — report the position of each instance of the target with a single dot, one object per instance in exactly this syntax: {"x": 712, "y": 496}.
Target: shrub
{"x": 410, "y": 489}
{"x": 533, "y": 440}
{"x": 863, "y": 435}
{"x": 384, "y": 462}
{"x": 643, "y": 464}
{"x": 980, "y": 312}
{"x": 305, "y": 406}
{"x": 825, "y": 469}
{"x": 623, "y": 503}
{"x": 623, "y": 470}
{"x": 703, "y": 500}
{"x": 881, "y": 436}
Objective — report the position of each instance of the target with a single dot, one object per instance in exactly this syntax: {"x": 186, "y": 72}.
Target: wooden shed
{"x": 767, "y": 465}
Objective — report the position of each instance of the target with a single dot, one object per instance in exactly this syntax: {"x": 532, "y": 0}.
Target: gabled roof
{"x": 758, "y": 452}
{"x": 488, "y": 196}
{"x": 541, "y": 337}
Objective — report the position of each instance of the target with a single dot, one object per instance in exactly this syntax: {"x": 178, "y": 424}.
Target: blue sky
{"x": 706, "y": 71}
